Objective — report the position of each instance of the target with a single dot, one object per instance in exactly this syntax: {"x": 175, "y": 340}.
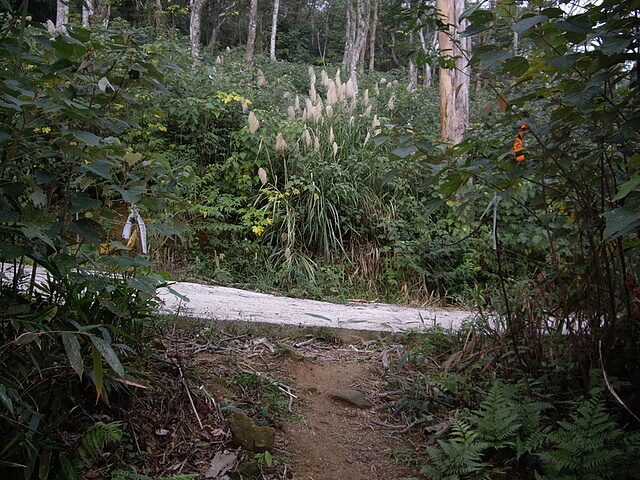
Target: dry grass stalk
{"x": 262, "y": 175}
{"x": 375, "y": 126}
{"x": 254, "y": 124}
{"x": 262, "y": 81}
{"x": 306, "y": 136}
{"x": 335, "y": 148}
{"x": 329, "y": 110}
{"x": 281, "y": 145}
{"x": 332, "y": 137}
{"x": 392, "y": 102}
{"x": 291, "y": 114}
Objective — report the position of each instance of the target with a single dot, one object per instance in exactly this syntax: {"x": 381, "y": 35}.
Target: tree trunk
{"x": 194, "y": 28}
{"x": 427, "y": 79}
{"x": 62, "y": 16}
{"x": 360, "y": 39}
{"x": 251, "y": 37}
{"x": 87, "y": 12}
{"x": 274, "y": 29}
{"x": 220, "y": 19}
{"x": 158, "y": 17}
{"x": 413, "y": 67}
{"x": 372, "y": 36}
{"x": 454, "y": 80}
{"x": 394, "y": 57}
{"x": 350, "y": 36}
{"x": 427, "y": 76}
{"x": 102, "y": 12}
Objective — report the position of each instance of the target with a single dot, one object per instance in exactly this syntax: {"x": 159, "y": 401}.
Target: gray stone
{"x": 249, "y": 436}
{"x": 351, "y": 397}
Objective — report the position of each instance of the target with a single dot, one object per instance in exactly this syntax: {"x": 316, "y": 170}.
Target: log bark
{"x": 62, "y": 16}
{"x": 274, "y": 29}
{"x": 454, "y": 80}
{"x": 251, "y": 37}
{"x": 195, "y": 28}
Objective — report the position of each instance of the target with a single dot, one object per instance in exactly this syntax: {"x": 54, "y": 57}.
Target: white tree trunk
{"x": 274, "y": 29}
{"x": 413, "y": 67}
{"x": 372, "y": 36}
{"x": 87, "y": 12}
{"x": 454, "y": 81}
{"x": 360, "y": 39}
{"x": 62, "y": 16}
{"x": 251, "y": 37}
{"x": 427, "y": 49}
{"x": 194, "y": 28}
{"x": 350, "y": 36}
{"x": 427, "y": 75}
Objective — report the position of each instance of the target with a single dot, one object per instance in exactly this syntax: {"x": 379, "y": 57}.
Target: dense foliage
{"x": 283, "y": 178}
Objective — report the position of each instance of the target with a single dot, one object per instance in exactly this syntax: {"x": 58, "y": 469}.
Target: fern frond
{"x": 589, "y": 446}
{"x": 96, "y": 438}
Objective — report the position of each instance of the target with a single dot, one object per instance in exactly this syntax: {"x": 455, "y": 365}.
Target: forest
{"x": 482, "y": 155}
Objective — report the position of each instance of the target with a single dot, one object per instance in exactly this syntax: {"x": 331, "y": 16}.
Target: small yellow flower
{"x": 258, "y": 230}
{"x": 270, "y": 221}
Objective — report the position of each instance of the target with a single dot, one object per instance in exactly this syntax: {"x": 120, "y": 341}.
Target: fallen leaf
{"x": 221, "y": 463}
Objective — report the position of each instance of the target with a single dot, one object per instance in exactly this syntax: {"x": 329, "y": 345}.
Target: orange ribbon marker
{"x": 518, "y": 146}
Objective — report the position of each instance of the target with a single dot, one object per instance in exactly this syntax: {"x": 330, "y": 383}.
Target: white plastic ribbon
{"x": 128, "y": 225}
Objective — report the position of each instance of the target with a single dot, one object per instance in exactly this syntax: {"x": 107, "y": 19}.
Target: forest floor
{"x": 286, "y": 378}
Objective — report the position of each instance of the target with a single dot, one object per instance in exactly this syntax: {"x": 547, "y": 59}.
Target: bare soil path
{"x": 317, "y": 437}
{"x": 336, "y": 441}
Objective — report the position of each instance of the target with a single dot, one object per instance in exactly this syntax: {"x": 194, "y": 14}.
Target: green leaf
{"x": 133, "y": 158}
{"x": 4, "y": 398}
{"x": 87, "y": 228}
{"x": 44, "y": 465}
{"x": 526, "y": 23}
{"x": 25, "y": 338}
{"x": 621, "y": 221}
{"x": 516, "y": 66}
{"x": 82, "y": 201}
{"x": 627, "y": 188}
{"x": 72, "y": 347}
{"x": 86, "y": 137}
{"x": 98, "y": 373}
{"x": 404, "y": 151}
{"x": 471, "y": 10}
{"x": 613, "y": 45}
{"x": 577, "y": 24}
{"x": 132, "y": 195}
{"x": 108, "y": 354}
{"x": 100, "y": 168}
{"x": 490, "y": 56}
{"x": 268, "y": 459}
{"x": 68, "y": 470}
{"x": 564, "y": 62}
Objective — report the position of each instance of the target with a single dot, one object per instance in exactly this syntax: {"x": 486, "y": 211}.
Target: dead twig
{"x": 193, "y": 405}
{"x": 398, "y": 428}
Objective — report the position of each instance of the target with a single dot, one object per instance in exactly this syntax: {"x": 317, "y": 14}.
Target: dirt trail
{"x": 317, "y": 437}
{"x": 335, "y": 441}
